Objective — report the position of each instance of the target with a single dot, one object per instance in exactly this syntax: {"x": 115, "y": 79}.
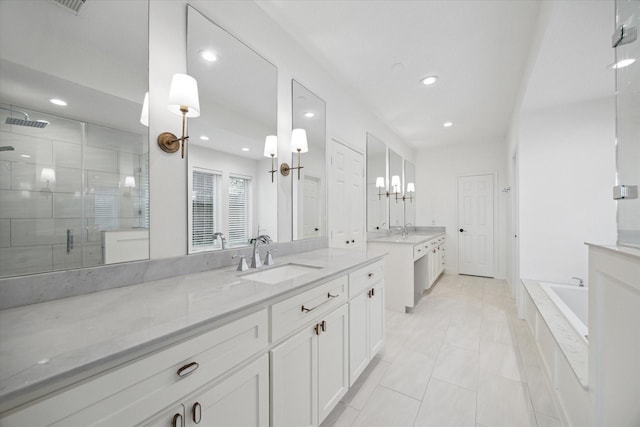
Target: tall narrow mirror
{"x": 308, "y": 184}
{"x": 74, "y": 181}
{"x": 377, "y": 200}
{"x": 396, "y": 209}
{"x": 409, "y": 193}
{"x": 233, "y": 194}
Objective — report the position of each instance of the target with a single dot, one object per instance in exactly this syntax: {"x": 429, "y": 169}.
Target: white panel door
{"x": 294, "y": 381}
{"x": 333, "y": 360}
{"x": 475, "y": 225}
{"x": 338, "y": 209}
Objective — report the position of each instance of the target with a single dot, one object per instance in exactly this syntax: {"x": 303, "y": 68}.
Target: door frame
{"x": 494, "y": 173}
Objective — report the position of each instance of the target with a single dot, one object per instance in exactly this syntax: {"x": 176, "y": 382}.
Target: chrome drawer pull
{"x": 196, "y": 412}
{"x": 188, "y": 369}
{"x": 329, "y": 297}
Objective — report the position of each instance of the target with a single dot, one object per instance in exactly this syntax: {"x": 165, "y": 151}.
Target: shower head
{"x": 24, "y": 122}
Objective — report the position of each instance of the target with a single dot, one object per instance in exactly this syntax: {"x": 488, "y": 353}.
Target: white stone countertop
{"x": 47, "y": 346}
{"x": 412, "y": 239}
{"x": 629, "y": 251}
{"x": 574, "y": 348}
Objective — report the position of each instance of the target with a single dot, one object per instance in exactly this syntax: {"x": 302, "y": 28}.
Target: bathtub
{"x": 573, "y": 302}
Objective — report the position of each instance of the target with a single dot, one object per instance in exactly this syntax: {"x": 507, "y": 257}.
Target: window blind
{"x": 238, "y": 211}
{"x": 204, "y": 218}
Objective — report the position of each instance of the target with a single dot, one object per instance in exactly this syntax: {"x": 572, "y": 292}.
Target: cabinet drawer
{"x": 149, "y": 384}
{"x": 420, "y": 250}
{"x": 360, "y": 279}
{"x": 294, "y": 312}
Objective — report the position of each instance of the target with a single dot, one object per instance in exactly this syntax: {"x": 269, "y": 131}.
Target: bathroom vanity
{"x": 413, "y": 264}
{"x": 280, "y": 346}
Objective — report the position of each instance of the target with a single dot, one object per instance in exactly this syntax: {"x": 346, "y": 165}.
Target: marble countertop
{"x": 574, "y": 348}
{"x": 411, "y": 239}
{"x": 50, "y": 345}
{"x": 629, "y": 251}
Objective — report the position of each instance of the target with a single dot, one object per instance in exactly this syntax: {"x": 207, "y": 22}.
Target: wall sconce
{"x": 411, "y": 188}
{"x": 129, "y": 182}
{"x": 379, "y": 185}
{"x": 298, "y": 144}
{"x": 144, "y": 115}
{"x": 395, "y": 185}
{"x": 271, "y": 150}
{"x": 183, "y": 100}
{"x": 48, "y": 175}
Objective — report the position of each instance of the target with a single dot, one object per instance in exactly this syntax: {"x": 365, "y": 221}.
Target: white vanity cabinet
{"x": 309, "y": 371}
{"x": 366, "y": 317}
{"x": 436, "y": 254}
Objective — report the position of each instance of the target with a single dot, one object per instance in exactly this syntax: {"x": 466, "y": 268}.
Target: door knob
{"x": 316, "y": 229}
{"x": 347, "y": 242}
{"x": 462, "y": 230}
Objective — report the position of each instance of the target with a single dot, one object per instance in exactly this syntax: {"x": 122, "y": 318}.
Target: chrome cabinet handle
{"x": 188, "y": 369}
{"x": 196, "y": 412}
{"x": 177, "y": 421}
{"x": 329, "y": 297}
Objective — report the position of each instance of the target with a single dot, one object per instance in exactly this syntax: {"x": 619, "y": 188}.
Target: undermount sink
{"x": 280, "y": 273}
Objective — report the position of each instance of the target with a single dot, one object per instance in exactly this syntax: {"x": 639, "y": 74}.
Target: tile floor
{"x": 462, "y": 358}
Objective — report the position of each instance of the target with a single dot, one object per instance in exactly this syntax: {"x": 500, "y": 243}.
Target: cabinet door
{"x": 333, "y": 360}
{"x": 241, "y": 400}
{"x": 376, "y": 319}
{"x": 358, "y": 336}
{"x": 170, "y": 417}
{"x": 294, "y": 381}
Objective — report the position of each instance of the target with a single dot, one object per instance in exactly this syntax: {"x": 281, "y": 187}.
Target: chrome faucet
{"x": 405, "y": 233}
{"x": 255, "y": 258}
{"x": 223, "y": 241}
{"x": 580, "y": 282}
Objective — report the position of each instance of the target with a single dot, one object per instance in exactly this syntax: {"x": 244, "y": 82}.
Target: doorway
{"x": 476, "y": 197}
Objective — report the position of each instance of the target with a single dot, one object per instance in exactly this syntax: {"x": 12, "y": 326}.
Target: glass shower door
{"x": 628, "y": 118}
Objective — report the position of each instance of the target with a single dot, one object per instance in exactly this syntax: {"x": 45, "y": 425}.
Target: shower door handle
{"x": 69, "y": 240}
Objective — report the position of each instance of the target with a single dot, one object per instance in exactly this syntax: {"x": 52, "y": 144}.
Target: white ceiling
{"x": 478, "y": 48}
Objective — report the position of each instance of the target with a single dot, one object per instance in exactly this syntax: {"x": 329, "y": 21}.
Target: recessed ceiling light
{"x": 208, "y": 56}
{"x": 623, "y": 63}
{"x": 309, "y": 114}
{"x": 447, "y": 124}
{"x": 26, "y": 156}
{"x": 204, "y": 138}
{"x": 245, "y": 149}
{"x": 57, "y": 101}
{"x": 429, "y": 80}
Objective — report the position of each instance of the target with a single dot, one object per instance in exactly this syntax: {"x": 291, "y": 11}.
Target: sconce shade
{"x": 184, "y": 92}
{"x": 271, "y": 146}
{"x": 395, "y": 183}
{"x": 411, "y": 188}
{"x": 299, "y": 141}
{"x": 48, "y": 175}
{"x": 144, "y": 116}
{"x": 380, "y": 182}
{"x": 129, "y": 182}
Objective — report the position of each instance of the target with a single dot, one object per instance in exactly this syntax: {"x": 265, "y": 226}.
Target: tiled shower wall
{"x": 89, "y": 195}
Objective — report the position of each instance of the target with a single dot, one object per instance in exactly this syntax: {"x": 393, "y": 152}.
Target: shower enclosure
{"x": 627, "y": 48}
{"x": 63, "y": 183}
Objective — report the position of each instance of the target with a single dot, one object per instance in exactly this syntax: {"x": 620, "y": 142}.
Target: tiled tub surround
{"x": 37, "y": 288}
{"x": 48, "y": 346}
{"x": 88, "y": 194}
{"x": 564, "y": 352}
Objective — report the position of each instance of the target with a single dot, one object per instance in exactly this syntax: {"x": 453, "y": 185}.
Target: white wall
{"x": 567, "y": 170}
{"x": 347, "y": 120}
{"x": 437, "y": 171}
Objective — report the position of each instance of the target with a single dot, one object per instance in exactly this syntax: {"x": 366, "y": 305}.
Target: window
{"x": 238, "y": 211}
{"x": 204, "y": 214}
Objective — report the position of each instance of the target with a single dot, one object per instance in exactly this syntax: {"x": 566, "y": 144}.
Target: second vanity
{"x": 413, "y": 264}
{"x": 222, "y": 346}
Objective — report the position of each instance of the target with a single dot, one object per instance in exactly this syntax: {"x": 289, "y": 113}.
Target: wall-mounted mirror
{"x": 308, "y": 188}
{"x": 74, "y": 182}
{"x": 377, "y": 200}
{"x": 233, "y": 195}
{"x": 409, "y": 193}
{"x": 396, "y": 209}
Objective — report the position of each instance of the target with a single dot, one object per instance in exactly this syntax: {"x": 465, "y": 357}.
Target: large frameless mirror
{"x": 377, "y": 210}
{"x": 233, "y": 196}
{"x": 74, "y": 182}
{"x": 308, "y": 188}
{"x": 396, "y": 208}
